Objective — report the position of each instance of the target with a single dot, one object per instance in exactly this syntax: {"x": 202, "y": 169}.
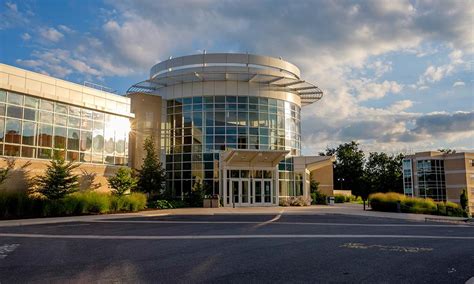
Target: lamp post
{"x": 340, "y": 180}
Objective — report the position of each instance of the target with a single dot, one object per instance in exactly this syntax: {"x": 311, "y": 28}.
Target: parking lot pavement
{"x": 238, "y": 248}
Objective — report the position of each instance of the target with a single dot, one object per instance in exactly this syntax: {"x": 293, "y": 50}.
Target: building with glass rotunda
{"x": 231, "y": 122}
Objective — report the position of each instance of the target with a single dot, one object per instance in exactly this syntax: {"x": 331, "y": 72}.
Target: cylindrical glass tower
{"x": 221, "y": 103}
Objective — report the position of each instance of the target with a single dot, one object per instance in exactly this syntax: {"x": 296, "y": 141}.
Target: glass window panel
{"x": 72, "y": 156}
{"x": 46, "y": 105}
{"x": 13, "y": 131}
{"x": 98, "y": 116}
{"x": 60, "y": 108}
{"x": 73, "y": 139}
{"x": 45, "y": 153}
{"x": 97, "y": 158}
{"x": 28, "y": 152}
{"x": 12, "y": 150}
{"x": 243, "y": 130}
{"x": 86, "y": 124}
{"x": 120, "y": 146}
{"x": 2, "y": 130}
{"x": 60, "y": 134}
{"x": 30, "y": 114}
{"x": 45, "y": 135}
{"x": 243, "y": 118}
{"x": 109, "y": 141}
{"x": 14, "y": 111}
{"x": 74, "y": 111}
{"x": 86, "y": 113}
{"x": 74, "y": 122}
{"x": 31, "y": 102}
{"x": 85, "y": 157}
{"x": 29, "y": 133}
{"x": 46, "y": 117}
{"x": 60, "y": 119}
{"x": 2, "y": 109}
{"x": 3, "y": 95}
{"x": 15, "y": 99}
{"x": 86, "y": 141}
{"x": 98, "y": 140}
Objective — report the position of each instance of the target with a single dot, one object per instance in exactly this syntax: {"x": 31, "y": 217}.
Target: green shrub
{"x": 134, "y": 202}
{"x": 453, "y": 209}
{"x": 319, "y": 198}
{"x": 339, "y": 198}
{"x": 163, "y": 204}
{"x": 20, "y": 205}
{"x": 389, "y": 202}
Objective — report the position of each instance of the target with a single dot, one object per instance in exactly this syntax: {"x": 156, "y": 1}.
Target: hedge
{"x": 388, "y": 202}
{"x": 20, "y": 205}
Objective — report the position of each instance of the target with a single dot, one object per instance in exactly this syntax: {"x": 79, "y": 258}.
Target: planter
{"x": 211, "y": 203}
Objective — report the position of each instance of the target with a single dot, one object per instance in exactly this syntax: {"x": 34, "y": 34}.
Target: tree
{"x": 447, "y": 151}
{"x": 383, "y": 172}
{"x": 122, "y": 182}
{"x": 349, "y": 165}
{"x": 152, "y": 176}
{"x": 5, "y": 171}
{"x": 313, "y": 186}
{"x": 59, "y": 180}
{"x": 463, "y": 200}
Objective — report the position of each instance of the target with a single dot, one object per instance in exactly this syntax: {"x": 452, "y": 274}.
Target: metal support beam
{"x": 253, "y": 78}
{"x": 275, "y": 80}
{"x": 303, "y": 88}
{"x": 292, "y": 83}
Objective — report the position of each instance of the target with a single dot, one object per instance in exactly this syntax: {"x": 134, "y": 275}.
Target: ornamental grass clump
{"x": 396, "y": 202}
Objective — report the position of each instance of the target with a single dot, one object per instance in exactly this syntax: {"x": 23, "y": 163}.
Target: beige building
{"x": 439, "y": 176}
{"x": 231, "y": 122}
{"x": 40, "y": 114}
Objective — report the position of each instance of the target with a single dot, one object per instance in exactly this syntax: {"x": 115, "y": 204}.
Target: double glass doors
{"x": 250, "y": 192}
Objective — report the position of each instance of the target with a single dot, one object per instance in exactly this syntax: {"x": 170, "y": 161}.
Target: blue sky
{"x": 397, "y": 75}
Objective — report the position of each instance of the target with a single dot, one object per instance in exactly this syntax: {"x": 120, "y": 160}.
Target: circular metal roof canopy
{"x": 269, "y": 71}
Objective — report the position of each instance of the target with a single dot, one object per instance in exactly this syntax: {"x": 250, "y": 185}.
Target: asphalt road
{"x": 238, "y": 248}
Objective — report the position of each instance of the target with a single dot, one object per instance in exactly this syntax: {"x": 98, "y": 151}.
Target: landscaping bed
{"x": 395, "y": 202}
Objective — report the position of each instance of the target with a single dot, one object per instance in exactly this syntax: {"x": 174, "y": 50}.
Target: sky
{"x": 396, "y": 75}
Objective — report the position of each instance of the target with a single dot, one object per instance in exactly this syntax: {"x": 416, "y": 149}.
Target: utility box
{"x": 331, "y": 200}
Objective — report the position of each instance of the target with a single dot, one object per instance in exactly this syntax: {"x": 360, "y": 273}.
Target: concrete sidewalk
{"x": 340, "y": 209}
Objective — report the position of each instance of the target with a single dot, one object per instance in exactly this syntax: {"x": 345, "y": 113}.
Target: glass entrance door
{"x": 240, "y": 191}
{"x": 262, "y": 191}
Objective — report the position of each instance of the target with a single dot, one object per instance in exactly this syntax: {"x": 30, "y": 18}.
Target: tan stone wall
{"x": 18, "y": 178}
{"x": 147, "y": 122}
{"x": 324, "y": 175}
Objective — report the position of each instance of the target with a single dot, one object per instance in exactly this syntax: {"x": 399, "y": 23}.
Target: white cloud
{"x": 26, "y": 36}
{"x": 328, "y": 40}
{"x": 371, "y": 90}
{"x": 401, "y": 106}
{"x": 12, "y": 6}
{"x": 459, "y": 84}
{"x": 51, "y": 34}
{"x": 65, "y": 29}
{"x": 434, "y": 74}
{"x": 380, "y": 68}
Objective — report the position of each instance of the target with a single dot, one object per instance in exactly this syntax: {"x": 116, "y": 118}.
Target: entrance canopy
{"x": 252, "y": 158}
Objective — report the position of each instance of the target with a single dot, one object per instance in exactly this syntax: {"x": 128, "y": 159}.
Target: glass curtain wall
{"x": 31, "y": 127}
{"x": 199, "y": 128}
{"x": 431, "y": 180}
